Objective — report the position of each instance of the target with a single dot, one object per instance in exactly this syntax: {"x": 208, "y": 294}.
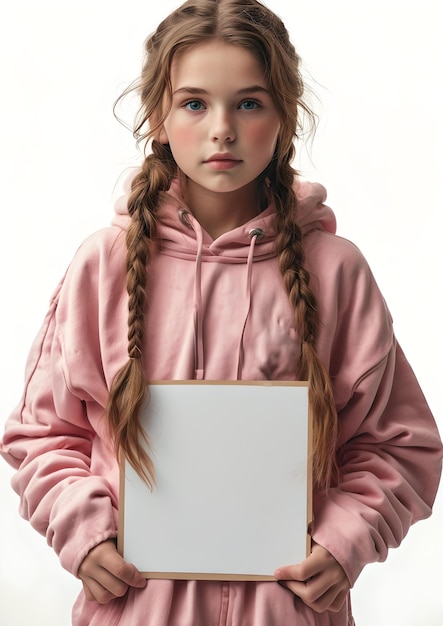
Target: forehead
{"x": 216, "y": 63}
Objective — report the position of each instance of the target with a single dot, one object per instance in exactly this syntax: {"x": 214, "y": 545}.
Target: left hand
{"x": 320, "y": 581}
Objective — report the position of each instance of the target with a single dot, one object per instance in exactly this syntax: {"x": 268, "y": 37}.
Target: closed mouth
{"x": 223, "y": 157}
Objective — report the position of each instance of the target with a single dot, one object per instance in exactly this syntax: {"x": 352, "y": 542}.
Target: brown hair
{"x": 249, "y": 24}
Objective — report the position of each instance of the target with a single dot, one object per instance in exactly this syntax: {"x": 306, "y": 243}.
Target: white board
{"x": 232, "y": 498}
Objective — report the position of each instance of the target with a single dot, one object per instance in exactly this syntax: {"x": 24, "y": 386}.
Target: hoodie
{"x": 217, "y": 310}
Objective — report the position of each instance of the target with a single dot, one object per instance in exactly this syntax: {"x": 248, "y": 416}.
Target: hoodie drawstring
{"x": 188, "y": 220}
{"x": 198, "y": 310}
{"x": 256, "y": 233}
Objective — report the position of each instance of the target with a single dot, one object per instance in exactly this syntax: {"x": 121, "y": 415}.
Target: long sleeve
{"x": 66, "y": 491}
{"x": 389, "y": 448}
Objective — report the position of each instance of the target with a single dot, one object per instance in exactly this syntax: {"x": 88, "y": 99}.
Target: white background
{"x": 376, "y": 69}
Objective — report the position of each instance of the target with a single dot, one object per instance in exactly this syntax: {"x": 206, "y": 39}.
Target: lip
{"x": 222, "y": 161}
{"x": 222, "y": 156}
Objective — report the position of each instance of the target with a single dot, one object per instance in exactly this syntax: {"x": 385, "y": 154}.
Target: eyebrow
{"x": 199, "y": 91}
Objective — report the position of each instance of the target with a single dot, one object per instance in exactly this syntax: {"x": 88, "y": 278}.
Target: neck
{"x": 219, "y": 212}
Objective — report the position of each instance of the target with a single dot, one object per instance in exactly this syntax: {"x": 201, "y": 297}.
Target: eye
{"x": 249, "y": 105}
{"x": 193, "y": 105}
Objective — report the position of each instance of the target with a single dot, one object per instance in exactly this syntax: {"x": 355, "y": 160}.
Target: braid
{"x": 250, "y": 25}
{"x": 289, "y": 247}
{"x": 129, "y": 388}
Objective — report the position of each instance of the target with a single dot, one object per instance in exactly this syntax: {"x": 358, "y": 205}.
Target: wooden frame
{"x": 232, "y": 499}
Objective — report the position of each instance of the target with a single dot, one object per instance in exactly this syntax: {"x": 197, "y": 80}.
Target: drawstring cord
{"x": 198, "y": 308}
{"x": 254, "y": 235}
{"x": 188, "y": 220}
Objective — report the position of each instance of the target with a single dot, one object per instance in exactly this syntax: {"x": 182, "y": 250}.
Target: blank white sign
{"x": 232, "y": 494}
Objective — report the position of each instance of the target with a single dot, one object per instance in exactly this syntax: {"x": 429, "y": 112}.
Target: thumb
{"x": 289, "y": 572}
{"x": 137, "y": 580}
{"x": 318, "y": 561}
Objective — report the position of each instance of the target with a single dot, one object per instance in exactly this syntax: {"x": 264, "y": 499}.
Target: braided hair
{"x": 249, "y": 24}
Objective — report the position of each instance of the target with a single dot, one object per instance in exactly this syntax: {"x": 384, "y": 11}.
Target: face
{"x": 223, "y": 125}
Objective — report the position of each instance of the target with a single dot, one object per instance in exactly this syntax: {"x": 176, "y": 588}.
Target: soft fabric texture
{"x": 225, "y": 297}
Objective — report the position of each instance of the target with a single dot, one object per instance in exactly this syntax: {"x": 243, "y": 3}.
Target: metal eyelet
{"x": 183, "y": 216}
{"x": 256, "y": 232}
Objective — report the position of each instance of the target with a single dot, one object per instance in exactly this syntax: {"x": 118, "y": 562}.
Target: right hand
{"x": 106, "y": 575}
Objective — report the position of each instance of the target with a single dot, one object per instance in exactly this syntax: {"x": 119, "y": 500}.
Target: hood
{"x": 181, "y": 236}
{"x": 177, "y": 229}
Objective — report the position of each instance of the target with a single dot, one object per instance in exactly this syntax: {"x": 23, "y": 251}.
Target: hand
{"x": 106, "y": 575}
{"x": 319, "y": 581}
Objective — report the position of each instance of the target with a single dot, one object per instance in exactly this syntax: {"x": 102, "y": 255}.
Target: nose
{"x": 223, "y": 128}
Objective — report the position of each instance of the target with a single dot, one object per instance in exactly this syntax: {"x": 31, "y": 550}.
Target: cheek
{"x": 181, "y": 136}
{"x": 263, "y": 135}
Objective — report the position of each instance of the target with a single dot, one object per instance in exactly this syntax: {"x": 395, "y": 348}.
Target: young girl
{"x": 220, "y": 264}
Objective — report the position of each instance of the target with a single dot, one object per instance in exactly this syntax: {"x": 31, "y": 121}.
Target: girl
{"x": 220, "y": 264}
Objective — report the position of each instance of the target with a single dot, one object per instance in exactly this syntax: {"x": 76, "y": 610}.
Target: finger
{"x": 113, "y": 584}
{"x": 290, "y": 572}
{"x": 338, "y": 603}
{"x": 319, "y": 603}
{"x": 88, "y": 593}
{"x": 126, "y": 572}
{"x": 94, "y": 591}
{"x": 104, "y": 559}
{"x": 318, "y": 561}
{"x": 332, "y": 578}
{"x": 106, "y": 575}
{"x": 307, "y": 591}
{"x": 302, "y": 571}
{"x": 103, "y": 585}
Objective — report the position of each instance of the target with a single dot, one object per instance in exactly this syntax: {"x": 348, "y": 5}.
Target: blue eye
{"x": 249, "y": 105}
{"x": 194, "y": 105}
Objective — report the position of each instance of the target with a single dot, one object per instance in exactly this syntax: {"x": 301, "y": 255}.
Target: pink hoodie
{"x": 217, "y": 310}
